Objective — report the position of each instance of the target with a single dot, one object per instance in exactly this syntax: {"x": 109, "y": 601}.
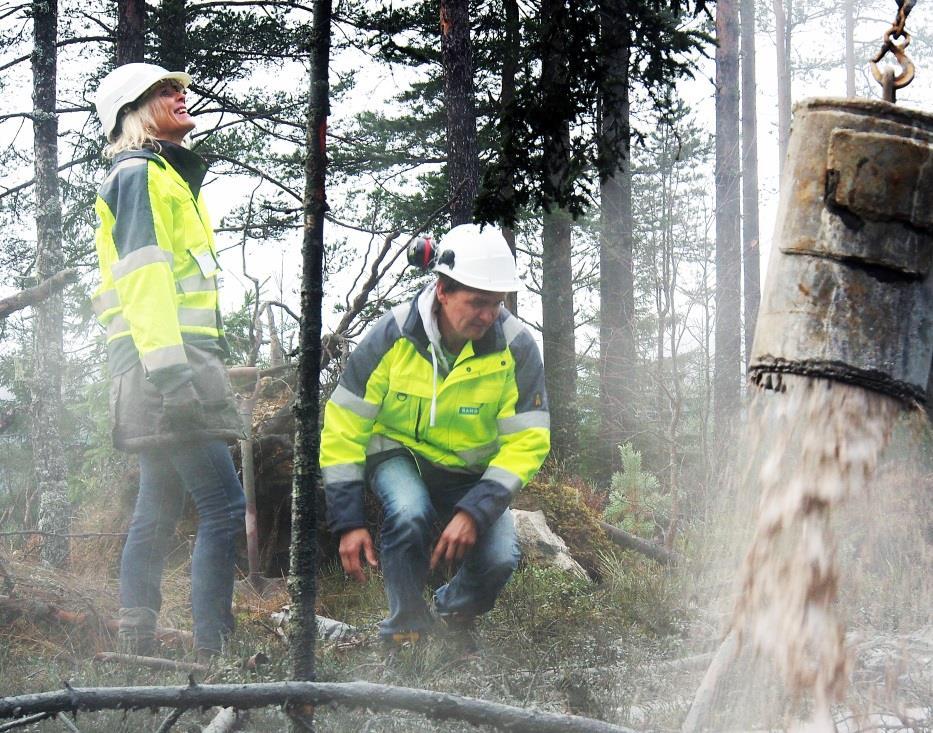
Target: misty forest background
{"x": 617, "y": 143}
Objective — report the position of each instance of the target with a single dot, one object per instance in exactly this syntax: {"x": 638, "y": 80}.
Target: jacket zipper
{"x": 418, "y": 423}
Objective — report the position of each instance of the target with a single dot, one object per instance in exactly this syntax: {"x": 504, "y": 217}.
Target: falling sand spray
{"x": 824, "y": 442}
{"x": 843, "y": 343}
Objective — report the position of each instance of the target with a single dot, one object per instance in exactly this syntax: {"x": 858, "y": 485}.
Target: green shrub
{"x": 636, "y": 503}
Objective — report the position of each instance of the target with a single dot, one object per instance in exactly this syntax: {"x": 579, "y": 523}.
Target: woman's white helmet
{"x": 126, "y": 84}
{"x": 478, "y": 258}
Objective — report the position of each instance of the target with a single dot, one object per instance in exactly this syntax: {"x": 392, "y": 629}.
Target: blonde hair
{"x": 135, "y": 128}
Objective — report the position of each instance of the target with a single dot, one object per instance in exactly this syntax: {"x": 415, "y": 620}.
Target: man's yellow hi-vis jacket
{"x": 158, "y": 264}
{"x": 490, "y": 413}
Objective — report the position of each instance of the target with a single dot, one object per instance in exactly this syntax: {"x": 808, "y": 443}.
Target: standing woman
{"x": 170, "y": 398}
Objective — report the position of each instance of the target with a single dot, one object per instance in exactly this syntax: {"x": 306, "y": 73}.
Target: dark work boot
{"x": 137, "y": 631}
{"x": 461, "y": 629}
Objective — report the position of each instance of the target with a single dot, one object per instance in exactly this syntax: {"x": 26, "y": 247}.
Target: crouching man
{"x": 442, "y": 412}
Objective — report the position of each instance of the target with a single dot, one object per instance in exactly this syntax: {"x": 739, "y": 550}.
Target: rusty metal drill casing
{"x": 849, "y": 292}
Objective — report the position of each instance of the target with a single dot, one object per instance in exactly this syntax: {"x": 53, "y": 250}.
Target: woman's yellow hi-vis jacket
{"x": 490, "y": 413}
{"x": 158, "y": 268}
{"x": 158, "y": 297}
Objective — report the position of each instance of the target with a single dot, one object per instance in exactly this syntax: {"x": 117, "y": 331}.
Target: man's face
{"x": 468, "y": 314}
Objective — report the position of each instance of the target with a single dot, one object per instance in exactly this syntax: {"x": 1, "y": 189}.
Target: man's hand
{"x": 456, "y": 539}
{"x": 352, "y": 543}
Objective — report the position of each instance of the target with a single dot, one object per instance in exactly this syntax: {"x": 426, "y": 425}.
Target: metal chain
{"x": 891, "y": 82}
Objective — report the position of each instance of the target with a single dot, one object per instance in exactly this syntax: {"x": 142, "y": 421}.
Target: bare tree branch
{"x": 60, "y": 44}
{"x": 66, "y": 166}
{"x": 254, "y": 171}
{"x": 40, "y": 292}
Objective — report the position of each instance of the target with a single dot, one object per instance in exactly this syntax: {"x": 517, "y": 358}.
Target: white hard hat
{"x": 478, "y": 258}
{"x": 126, "y": 84}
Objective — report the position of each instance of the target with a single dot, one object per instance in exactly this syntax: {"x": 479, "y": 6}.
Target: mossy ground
{"x": 553, "y": 642}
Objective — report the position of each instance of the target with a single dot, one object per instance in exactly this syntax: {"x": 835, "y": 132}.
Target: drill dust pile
{"x": 820, "y": 444}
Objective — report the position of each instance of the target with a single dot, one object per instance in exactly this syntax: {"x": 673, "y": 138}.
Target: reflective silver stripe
{"x": 380, "y": 443}
{"x": 123, "y": 165}
{"x": 140, "y": 258}
{"x": 523, "y": 421}
{"x": 345, "y": 398}
{"x": 197, "y": 283}
{"x": 342, "y": 473}
{"x": 478, "y": 455}
{"x": 103, "y": 302}
{"x": 511, "y": 328}
{"x": 400, "y": 313}
{"x": 165, "y": 357}
{"x": 117, "y": 326}
{"x": 508, "y": 479}
{"x": 197, "y": 317}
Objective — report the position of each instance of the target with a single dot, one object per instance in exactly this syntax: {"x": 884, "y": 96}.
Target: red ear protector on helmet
{"x": 423, "y": 254}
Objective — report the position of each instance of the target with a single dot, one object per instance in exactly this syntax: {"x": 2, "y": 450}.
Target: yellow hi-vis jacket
{"x": 490, "y": 413}
{"x": 158, "y": 267}
{"x": 158, "y": 300}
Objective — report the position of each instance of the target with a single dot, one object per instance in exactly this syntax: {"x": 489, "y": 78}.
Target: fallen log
{"x": 36, "y": 609}
{"x": 354, "y": 694}
{"x": 136, "y": 660}
{"x": 637, "y": 544}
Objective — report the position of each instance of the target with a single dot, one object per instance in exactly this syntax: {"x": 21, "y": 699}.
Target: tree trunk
{"x": 509, "y": 74}
{"x": 302, "y": 581}
{"x": 131, "y": 31}
{"x": 782, "y": 39}
{"x": 751, "y": 267}
{"x": 849, "y": 11}
{"x": 728, "y": 341}
{"x": 48, "y": 452}
{"x": 616, "y": 269}
{"x": 462, "y": 153}
{"x": 557, "y": 285}
{"x": 173, "y": 35}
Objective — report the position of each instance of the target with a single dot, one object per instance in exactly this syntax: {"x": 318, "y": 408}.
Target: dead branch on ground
{"x": 354, "y": 694}
{"x": 657, "y": 553}
{"x": 135, "y": 660}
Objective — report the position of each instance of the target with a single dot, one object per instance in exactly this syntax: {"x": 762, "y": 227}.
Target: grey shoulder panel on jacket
{"x": 375, "y": 345}
{"x": 126, "y": 193}
{"x": 529, "y": 369}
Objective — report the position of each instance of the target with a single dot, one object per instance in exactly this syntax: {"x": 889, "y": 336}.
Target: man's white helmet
{"x": 126, "y": 84}
{"x": 478, "y": 258}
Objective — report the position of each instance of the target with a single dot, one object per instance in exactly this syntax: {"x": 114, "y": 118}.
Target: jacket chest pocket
{"x": 407, "y": 406}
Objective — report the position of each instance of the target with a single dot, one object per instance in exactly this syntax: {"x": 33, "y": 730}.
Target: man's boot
{"x": 137, "y": 630}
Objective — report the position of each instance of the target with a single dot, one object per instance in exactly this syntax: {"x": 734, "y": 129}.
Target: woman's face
{"x": 169, "y": 114}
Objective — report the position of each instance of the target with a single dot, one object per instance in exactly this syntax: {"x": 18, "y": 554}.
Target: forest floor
{"x": 630, "y": 648}
{"x": 625, "y": 650}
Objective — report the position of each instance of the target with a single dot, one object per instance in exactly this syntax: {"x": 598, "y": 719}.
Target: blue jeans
{"x": 204, "y": 470}
{"x": 413, "y": 502}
